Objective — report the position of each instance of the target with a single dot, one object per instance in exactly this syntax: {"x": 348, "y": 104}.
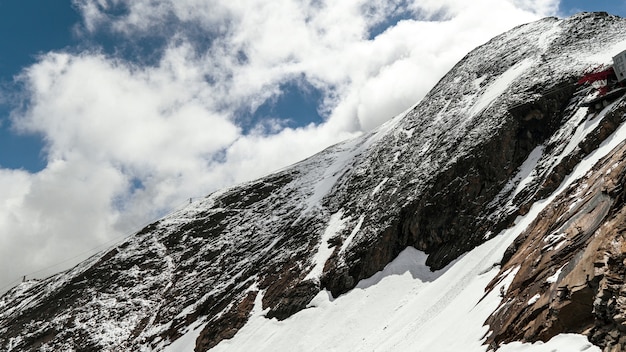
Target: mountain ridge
{"x": 443, "y": 178}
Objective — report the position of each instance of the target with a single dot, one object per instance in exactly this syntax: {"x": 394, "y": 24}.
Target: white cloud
{"x": 173, "y": 127}
{"x": 540, "y": 7}
{"x": 54, "y": 214}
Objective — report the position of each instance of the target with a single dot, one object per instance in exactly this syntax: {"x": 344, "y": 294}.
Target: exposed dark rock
{"x": 227, "y": 325}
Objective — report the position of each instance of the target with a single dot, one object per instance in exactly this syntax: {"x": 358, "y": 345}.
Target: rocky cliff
{"x": 502, "y": 136}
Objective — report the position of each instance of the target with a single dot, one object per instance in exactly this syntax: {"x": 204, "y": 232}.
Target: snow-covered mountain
{"x": 498, "y": 199}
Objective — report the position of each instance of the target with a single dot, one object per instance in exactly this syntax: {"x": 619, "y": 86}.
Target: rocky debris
{"x": 443, "y": 178}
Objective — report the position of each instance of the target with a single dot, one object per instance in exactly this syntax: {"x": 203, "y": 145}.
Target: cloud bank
{"x": 130, "y": 137}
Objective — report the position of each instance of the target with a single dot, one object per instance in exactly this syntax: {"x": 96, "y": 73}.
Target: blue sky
{"x": 29, "y": 28}
{"x": 113, "y": 112}
{"x": 617, "y": 7}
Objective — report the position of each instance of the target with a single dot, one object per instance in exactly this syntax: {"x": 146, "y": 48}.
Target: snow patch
{"x": 504, "y": 282}
{"x": 500, "y": 85}
{"x": 525, "y": 174}
{"x": 478, "y": 82}
{"x": 552, "y": 239}
{"x": 552, "y": 279}
{"x": 335, "y": 224}
{"x": 356, "y": 229}
{"x": 582, "y": 131}
{"x": 379, "y": 186}
{"x": 559, "y": 343}
{"x": 534, "y": 299}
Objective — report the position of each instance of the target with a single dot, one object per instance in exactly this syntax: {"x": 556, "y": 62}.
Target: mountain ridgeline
{"x": 501, "y": 133}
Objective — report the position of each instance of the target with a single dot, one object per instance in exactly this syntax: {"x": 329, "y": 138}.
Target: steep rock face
{"x": 443, "y": 178}
{"x": 570, "y": 263}
{"x": 467, "y": 137}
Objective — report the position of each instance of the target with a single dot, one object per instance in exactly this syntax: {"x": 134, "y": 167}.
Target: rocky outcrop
{"x": 569, "y": 263}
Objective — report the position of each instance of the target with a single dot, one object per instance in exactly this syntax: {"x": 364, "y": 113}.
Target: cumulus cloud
{"x": 125, "y": 141}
